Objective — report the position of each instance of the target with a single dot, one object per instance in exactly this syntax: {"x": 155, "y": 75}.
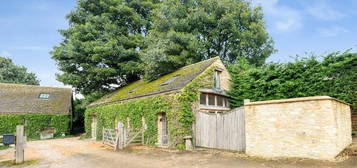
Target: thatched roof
{"x": 20, "y": 99}
{"x": 168, "y": 83}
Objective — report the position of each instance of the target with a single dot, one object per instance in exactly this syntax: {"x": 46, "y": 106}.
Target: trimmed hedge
{"x": 35, "y": 123}
{"x": 335, "y": 75}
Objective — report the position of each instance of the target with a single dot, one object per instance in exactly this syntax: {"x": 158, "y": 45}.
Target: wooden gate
{"x": 221, "y": 130}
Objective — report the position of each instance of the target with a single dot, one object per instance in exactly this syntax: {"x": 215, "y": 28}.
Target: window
{"x": 220, "y": 100}
{"x": 217, "y": 78}
{"x": 170, "y": 80}
{"x": 203, "y": 99}
{"x": 211, "y": 100}
{"x": 44, "y": 96}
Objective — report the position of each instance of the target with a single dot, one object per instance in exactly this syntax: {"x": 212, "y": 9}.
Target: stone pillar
{"x": 188, "y": 142}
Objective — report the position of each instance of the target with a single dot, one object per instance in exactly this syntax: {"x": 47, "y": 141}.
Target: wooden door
{"x": 164, "y": 129}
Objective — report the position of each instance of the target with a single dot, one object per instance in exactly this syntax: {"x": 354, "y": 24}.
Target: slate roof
{"x": 167, "y": 83}
{"x": 20, "y": 99}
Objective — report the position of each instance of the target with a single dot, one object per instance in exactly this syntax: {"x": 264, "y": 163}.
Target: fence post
{"x": 120, "y": 136}
{"x": 19, "y": 153}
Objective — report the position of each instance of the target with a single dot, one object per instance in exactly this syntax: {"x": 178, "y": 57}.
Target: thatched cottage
{"x": 166, "y": 104}
{"x": 38, "y": 108}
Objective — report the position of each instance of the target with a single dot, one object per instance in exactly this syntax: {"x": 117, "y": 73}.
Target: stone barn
{"x": 311, "y": 127}
{"x": 45, "y": 111}
{"x": 166, "y": 105}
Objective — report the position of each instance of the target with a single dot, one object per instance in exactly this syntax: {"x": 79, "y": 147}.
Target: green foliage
{"x": 181, "y": 120}
{"x": 109, "y": 115}
{"x": 335, "y": 76}
{"x": 78, "y": 116}
{"x": 184, "y": 32}
{"x": 111, "y": 43}
{"x": 100, "y": 48}
{"x": 34, "y": 123}
{"x": 11, "y": 73}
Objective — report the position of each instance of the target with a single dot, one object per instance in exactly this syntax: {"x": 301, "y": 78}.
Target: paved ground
{"x": 75, "y": 153}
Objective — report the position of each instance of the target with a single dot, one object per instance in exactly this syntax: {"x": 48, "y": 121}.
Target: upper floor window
{"x": 217, "y": 78}
{"x": 207, "y": 99}
{"x": 44, "y": 96}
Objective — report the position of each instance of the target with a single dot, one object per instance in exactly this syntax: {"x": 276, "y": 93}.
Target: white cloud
{"x": 322, "y": 11}
{"x": 284, "y": 18}
{"x": 5, "y": 54}
{"x": 332, "y": 31}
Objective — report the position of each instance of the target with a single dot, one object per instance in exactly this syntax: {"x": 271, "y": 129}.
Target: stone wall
{"x": 311, "y": 127}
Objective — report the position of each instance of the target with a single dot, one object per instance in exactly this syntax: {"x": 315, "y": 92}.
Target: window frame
{"x": 225, "y": 103}
{"x": 44, "y": 96}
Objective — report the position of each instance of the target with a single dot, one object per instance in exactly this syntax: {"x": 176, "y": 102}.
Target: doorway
{"x": 162, "y": 130}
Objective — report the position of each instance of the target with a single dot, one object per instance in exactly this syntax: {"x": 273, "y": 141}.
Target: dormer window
{"x": 214, "y": 102}
{"x": 217, "y": 78}
{"x": 44, "y": 96}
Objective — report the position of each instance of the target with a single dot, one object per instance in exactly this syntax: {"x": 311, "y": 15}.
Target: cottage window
{"x": 211, "y": 100}
{"x": 203, "y": 100}
{"x": 217, "y": 78}
{"x": 220, "y": 101}
{"x": 44, "y": 96}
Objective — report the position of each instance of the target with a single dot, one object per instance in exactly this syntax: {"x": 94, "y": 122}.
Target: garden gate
{"x": 221, "y": 130}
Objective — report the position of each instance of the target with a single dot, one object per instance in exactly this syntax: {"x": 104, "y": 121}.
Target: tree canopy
{"x": 100, "y": 48}
{"x": 11, "y": 73}
{"x": 185, "y": 32}
{"x": 335, "y": 75}
{"x": 113, "y": 42}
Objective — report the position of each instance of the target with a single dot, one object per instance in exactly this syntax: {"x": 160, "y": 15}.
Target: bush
{"x": 335, "y": 75}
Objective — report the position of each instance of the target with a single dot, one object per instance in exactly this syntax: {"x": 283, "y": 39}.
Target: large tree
{"x": 11, "y": 73}
{"x": 188, "y": 31}
{"x": 100, "y": 48}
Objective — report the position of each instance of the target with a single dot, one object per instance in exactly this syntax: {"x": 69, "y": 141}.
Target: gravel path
{"x": 75, "y": 153}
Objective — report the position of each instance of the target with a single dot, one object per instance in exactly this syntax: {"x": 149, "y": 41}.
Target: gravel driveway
{"x": 75, "y": 153}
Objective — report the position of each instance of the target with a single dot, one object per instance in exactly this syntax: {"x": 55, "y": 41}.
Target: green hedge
{"x": 35, "y": 123}
{"x": 335, "y": 75}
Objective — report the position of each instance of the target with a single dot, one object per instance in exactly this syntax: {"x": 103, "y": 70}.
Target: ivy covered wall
{"x": 178, "y": 108}
{"x": 109, "y": 115}
{"x": 35, "y": 123}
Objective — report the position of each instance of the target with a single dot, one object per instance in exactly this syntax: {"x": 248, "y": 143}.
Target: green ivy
{"x": 109, "y": 115}
{"x": 182, "y": 119}
{"x": 35, "y": 123}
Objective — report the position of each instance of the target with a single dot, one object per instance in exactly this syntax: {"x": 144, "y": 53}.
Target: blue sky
{"x": 29, "y": 29}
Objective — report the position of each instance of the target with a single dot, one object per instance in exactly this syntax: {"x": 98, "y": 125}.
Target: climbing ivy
{"x": 178, "y": 108}
{"x": 182, "y": 119}
{"x": 109, "y": 115}
{"x": 35, "y": 123}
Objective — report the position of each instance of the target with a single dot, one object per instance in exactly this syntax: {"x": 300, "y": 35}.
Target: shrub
{"x": 335, "y": 75}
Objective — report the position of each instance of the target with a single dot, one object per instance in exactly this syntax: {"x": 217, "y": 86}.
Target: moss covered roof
{"x": 170, "y": 82}
{"x": 19, "y": 99}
